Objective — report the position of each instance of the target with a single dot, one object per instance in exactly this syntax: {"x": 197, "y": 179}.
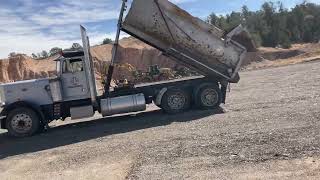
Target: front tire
{"x": 22, "y": 122}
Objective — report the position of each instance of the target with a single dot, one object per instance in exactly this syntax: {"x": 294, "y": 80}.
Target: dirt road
{"x": 271, "y": 130}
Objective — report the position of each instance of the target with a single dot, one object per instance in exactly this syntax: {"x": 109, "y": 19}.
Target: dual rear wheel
{"x": 207, "y": 96}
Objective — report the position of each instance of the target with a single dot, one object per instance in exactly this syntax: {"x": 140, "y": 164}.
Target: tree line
{"x": 56, "y": 50}
{"x": 274, "y": 25}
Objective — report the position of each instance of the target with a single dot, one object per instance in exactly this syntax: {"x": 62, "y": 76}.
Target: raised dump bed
{"x": 188, "y": 39}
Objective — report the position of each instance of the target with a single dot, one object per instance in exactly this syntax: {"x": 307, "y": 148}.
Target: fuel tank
{"x": 123, "y": 104}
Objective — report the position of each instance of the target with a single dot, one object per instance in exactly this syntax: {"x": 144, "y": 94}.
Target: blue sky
{"x": 28, "y": 26}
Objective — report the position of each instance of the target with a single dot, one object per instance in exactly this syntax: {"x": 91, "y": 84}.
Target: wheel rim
{"x": 21, "y": 123}
{"x": 209, "y": 97}
{"x": 177, "y": 101}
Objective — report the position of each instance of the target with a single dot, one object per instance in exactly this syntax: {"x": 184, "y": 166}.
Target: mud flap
{"x": 224, "y": 88}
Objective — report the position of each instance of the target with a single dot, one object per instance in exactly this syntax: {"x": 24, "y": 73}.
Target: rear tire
{"x": 208, "y": 97}
{"x": 175, "y": 101}
{"x": 22, "y": 122}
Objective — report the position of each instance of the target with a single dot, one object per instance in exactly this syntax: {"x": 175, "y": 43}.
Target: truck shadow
{"x": 88, "y": 130}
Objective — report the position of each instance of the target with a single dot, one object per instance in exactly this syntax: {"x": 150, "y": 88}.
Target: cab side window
{"x": 72, "y": 66}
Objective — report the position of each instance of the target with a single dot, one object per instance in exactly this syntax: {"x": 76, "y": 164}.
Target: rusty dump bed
{"x": 188, "y": 40}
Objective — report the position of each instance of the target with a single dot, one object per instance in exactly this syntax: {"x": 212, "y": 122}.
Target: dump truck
{"x": 27, "y": 107}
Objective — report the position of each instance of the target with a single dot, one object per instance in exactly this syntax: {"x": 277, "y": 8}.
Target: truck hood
{"x": 25, "y": 82}
{"x": 33, "y": 91}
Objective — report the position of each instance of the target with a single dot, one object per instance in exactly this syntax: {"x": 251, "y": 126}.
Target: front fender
{"x": 160, "y": 95}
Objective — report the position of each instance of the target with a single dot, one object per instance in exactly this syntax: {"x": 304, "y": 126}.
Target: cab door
{"x": 74, "y": 80}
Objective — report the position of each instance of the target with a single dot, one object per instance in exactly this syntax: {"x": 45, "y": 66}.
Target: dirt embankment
{"x": 134, "y": 52}
{"x": 22, "y": 67}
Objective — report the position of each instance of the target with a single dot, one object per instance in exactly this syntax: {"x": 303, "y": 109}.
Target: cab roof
{"x": 70, "y": 54}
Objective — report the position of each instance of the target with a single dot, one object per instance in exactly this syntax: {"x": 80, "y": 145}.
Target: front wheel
{"x": 22, "y": 122}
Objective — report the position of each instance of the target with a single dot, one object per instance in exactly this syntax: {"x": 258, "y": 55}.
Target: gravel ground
{"x": 269, "y": 129}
